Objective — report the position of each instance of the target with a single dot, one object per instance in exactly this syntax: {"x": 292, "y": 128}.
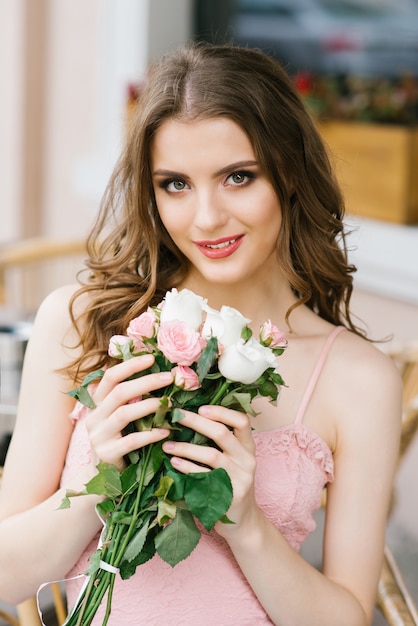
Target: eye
{"x": 239, "y": 178}
{"x": 174, "y": 185}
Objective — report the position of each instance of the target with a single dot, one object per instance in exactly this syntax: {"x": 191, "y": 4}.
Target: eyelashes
{"x": 173, "y": 185}
{"x": 240, "y": 178}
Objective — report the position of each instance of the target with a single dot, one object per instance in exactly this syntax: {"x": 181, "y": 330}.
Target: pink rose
{"x": 144, "y": 326}
{"x": 271, "y": 336}
{"x": 179, "y": 342}
{"x": 116, "y": 344}
{"x": 185, "y": 378}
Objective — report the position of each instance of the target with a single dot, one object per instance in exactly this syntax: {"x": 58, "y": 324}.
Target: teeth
{"x": 221, "y": 245}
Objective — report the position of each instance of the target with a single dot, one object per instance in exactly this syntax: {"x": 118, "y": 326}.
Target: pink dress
{"x": 208, "y": 588}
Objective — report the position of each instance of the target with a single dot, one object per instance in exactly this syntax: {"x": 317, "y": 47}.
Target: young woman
{"x": 224, "y": 188}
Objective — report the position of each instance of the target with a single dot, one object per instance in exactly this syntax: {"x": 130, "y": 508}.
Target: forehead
{"x": 212, "y": 139}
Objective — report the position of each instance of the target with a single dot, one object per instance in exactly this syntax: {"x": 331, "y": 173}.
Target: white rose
{"x": 184, "y": 306}
{"x": 226, "y": 325}
{"x": 245, "y": 362}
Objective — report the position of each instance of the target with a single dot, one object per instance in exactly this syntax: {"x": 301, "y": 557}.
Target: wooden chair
{"x": 31, "y": 268}
{"x": 393, "y": 598}
{"x": 9, "y": 619}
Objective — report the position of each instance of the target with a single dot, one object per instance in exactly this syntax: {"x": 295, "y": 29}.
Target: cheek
{"x": 174, "y": 224}
{"x": 167, "y": 216}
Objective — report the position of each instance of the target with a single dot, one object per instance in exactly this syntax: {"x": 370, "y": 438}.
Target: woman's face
{"x": 216, "y": 203}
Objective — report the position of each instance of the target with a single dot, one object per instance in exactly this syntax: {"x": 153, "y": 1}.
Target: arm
{"x": 365, "y": 401}
{"x": 38, "y": 542}
{"x": 31, "y": 527}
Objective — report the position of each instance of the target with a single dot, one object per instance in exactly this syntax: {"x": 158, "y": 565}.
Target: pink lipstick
{"x": 220, "y": 248}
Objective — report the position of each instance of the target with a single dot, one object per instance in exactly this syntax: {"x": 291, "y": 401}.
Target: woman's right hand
{"x": 117, "y": 406}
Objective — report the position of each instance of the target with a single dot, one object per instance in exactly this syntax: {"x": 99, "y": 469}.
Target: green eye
{"x": 174, "y": 186}
{"x": 238, "y": 177}
{"x": 177, "y": 185}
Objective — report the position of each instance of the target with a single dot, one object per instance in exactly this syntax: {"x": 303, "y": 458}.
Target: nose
{"x": 210, "y": 214}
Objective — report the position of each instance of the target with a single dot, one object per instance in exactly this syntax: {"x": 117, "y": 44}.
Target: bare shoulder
{"x": 58, "y": 301}
{"x": 53, "y": 342}
{"x": 362, "y": 361}
{"x": 367, "y": 386}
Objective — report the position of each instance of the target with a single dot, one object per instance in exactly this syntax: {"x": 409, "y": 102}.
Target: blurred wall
{"x": 65, "y": 67}
{"x": 11, "y": 81}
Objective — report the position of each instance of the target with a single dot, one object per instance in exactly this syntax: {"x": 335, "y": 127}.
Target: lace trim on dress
{"x": 281, "y": 439}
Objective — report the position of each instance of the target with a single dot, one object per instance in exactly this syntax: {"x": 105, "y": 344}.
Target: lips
{"x": 220, "y": 248}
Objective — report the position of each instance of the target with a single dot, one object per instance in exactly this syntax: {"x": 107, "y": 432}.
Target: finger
{"x": 112, "y": 451}
{"x": 120, "y": 372}
{"x": 128, "y": 390}
{"x": 185, "y": 453}
{"x": 100, "y": 426}
{"x": 216, "y": 422}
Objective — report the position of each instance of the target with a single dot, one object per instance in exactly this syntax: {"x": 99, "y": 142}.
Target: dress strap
{"x": 316, "y": 373}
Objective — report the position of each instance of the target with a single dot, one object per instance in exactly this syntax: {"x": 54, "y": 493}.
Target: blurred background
{"x": 71, "y": 70}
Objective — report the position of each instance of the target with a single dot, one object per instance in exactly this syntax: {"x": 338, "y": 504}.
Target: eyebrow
{"x": 224, "y": 170}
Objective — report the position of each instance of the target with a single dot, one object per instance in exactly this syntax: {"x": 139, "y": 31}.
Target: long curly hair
{"x": 133, "y": 261}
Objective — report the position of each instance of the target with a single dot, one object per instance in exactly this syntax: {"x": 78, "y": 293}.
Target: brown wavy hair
{"x": 132, "y": 259}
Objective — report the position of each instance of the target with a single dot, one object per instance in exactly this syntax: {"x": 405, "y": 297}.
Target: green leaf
{"x": 166, "y": 512}
{"x": 90, "y": 378}
{"x": 268, "y": 389}
{"x": 176, "y": 416}
{"x": 144, "y": 423}
{"x": 105, "y": 507}
{"x": 208, "y": 495}
{"x": 178, "y": 540}
{"x": 128, "y": 479}
{"x": 278, "y": 351}
{"x": 128, "y": 568}
{"x": 137, "y": 542}
{"x": 107, "y": 482}
{"x": 243, "y": 400}
{"x": 161, "y": 412}
{"x": 65, "y": 503}
{"x": 121, "y": 517}
{"x": 207, "y": 358}
{"x": 179, "y": 481}
{"x": 94, "y": 560}
{"x": 182, "y": 397}
{"x": 246, "y": 333}
{"x": 82, "y": 394}
{"x": 157, "y": 456}
{"x": 126, "y": 350}
{"x": 276, "y": 378}
{"x": 164, "y": 486}
{"x": 145, "y": 473}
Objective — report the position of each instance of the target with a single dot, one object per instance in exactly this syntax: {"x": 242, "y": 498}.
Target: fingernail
{"x": 166, "y": 377}
{"x": 168, "y": 446}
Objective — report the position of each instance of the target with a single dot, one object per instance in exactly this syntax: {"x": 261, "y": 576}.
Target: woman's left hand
{"x": 231, "y": 431}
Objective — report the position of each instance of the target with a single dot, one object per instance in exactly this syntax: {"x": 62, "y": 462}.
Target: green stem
{"x": 134, "y": 519}
{"x": 218, "y": 395}
{"x": 113, "y": 555}
{"x": 109, "y": 601}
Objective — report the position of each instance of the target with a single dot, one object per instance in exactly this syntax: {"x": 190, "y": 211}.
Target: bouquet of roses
{"x": 150, "y": 507}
